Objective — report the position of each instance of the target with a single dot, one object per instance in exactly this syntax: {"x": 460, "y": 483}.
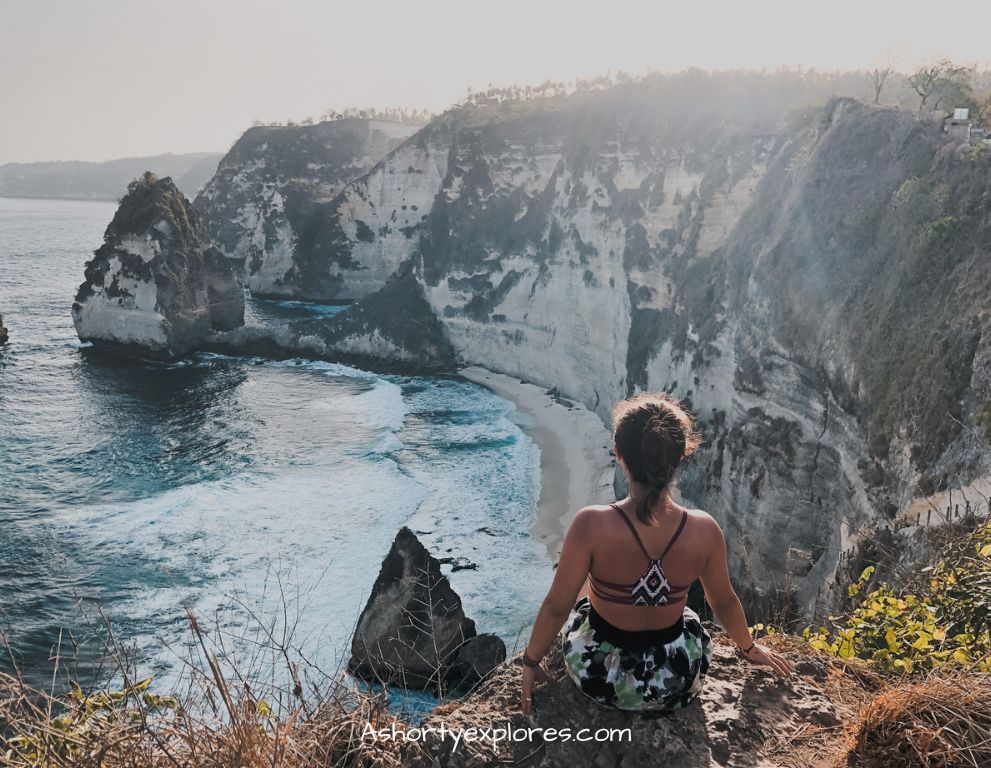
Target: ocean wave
{"x": 201, "y": 544}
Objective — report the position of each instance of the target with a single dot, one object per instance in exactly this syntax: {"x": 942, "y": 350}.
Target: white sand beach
{"x": 576, "y": 468}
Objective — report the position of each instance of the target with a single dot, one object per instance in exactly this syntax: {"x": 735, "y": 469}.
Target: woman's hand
{"x": 758, "y": 654}
{"x": 530, "y": 676}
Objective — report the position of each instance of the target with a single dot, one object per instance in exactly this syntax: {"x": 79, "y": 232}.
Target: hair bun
{"x": 653, "y": 434}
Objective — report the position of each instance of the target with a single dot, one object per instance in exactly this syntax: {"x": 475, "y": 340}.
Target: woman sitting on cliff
{"x": 630, "y": 641}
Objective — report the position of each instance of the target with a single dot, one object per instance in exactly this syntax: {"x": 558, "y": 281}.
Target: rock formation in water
{"x": 815, "y": 288}
{"x": 157, "y": 286}
{"x": 268, "y": 203}
{"x": 393, "y": 327}
{"x": 4, "y": 334}
{"x": 413, "y": 629}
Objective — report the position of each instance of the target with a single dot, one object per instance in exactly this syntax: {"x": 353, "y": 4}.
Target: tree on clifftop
{"x": 883, "y": 69}
{"x": 940, "y": 82}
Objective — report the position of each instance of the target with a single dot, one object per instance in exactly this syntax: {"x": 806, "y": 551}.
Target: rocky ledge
{"x": 413, "y": 630}
{"x": 746, "y": 716}
{"x": 157, "y": 287}
{"x": 414, "y": 633}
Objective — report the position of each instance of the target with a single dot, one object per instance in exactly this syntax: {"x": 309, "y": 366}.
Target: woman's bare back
{"x": 618, "y": 558}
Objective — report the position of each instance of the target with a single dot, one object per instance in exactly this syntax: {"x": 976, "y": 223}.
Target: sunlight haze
{"x": 106, "y": 78}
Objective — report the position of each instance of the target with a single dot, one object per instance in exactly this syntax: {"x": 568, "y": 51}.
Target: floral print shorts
{"x": 647, "y": 670}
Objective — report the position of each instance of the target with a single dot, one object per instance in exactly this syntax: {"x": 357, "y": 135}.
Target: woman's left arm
{"x": 572, "y": 570}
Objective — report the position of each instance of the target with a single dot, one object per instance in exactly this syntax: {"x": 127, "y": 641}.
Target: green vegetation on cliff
{"x": 938, "y": 620}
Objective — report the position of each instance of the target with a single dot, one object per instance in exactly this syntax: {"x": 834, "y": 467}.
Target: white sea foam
{"x": 363, "y": 458}
{"x": 211, "y": 541}
{"x": 148, "y": 487}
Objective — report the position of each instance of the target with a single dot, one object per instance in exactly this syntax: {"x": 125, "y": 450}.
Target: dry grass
{"x": 268, "y": 706}
{"x": 229, "y": 714}
{"x": 849, "y": 684}
{"x": 943, "y": 722}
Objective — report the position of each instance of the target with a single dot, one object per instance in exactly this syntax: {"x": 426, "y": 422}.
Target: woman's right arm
{"x": 725, "y": 604}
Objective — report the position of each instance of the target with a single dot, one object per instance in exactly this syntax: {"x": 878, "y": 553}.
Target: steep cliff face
{"x": 815, "y": 288}
{"x": 156, "y": 286}
{"x": 266, "y": 207}
{"x": 857, "y": 287}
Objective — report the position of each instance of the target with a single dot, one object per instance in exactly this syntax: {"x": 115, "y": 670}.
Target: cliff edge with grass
{"x": 848, "y": 704}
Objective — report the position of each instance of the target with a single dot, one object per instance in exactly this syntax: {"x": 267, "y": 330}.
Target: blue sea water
{"x": 140, "y": 489}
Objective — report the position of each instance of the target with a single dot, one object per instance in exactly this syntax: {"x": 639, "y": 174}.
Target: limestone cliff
{"x": 156, "y": 287}
{"x": 266, "y": 206}
{"x": 813, "y": 285}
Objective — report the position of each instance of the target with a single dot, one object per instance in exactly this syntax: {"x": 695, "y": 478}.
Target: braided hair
{"x": 654, "y": 433}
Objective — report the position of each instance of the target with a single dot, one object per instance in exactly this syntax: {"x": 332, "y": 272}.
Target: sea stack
{"x": 413, "y": 630}
{"x": 157, "y": 287}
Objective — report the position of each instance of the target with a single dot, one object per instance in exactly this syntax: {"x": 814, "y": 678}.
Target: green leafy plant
{"x": 87, "y": 720}
{"x": 940, "y": 620}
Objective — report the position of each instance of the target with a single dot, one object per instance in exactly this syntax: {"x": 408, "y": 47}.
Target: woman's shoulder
{"x": 592, "y": 516}
{"x": 593, "y": 512}
{"x": 699, "y": 514}
{"x": 705, "y": 524}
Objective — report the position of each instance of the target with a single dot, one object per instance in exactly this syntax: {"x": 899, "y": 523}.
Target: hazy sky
{"x": 96, "y": 79}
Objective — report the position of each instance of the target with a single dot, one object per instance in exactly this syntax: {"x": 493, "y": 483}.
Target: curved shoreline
{"x": 576, "y": 468}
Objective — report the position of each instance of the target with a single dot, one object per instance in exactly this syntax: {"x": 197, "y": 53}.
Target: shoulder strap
{"x": 633, "y": 530}
{"x": 681, "y": 526}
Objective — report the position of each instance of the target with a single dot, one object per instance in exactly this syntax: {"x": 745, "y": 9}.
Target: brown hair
{"x": 654, "y": 433}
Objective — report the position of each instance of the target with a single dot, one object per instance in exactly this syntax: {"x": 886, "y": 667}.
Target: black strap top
{"x": 653, "y": 587}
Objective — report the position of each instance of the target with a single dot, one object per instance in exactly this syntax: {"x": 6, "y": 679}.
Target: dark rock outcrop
{"x": 157, "y": 286}
{"x": 4, "y": 335}
{"x": 393, "y": 323}
{"x": 394, "y": 326}
{"x": 475, "y": 659}
{"x": 413, "y": 630}
{"x": 746, "y": 716}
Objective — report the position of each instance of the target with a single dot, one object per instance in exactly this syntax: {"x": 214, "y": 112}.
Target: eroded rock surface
{"x": 413, "y": 630}
{"x": 393, "y": 327}
{"x": 266, "y": 207}
{"x": 157, "y": 286}
{"x": 744, "y": 717}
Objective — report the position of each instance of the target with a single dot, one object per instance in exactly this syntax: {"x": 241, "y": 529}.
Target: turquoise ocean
{"x": 238, "y": 488}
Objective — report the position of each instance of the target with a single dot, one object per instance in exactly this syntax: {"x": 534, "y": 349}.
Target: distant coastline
{"x": 103, "y": 181}
{"x": 63, "y": 199}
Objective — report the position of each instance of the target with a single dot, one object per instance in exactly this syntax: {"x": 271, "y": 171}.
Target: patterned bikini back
{"x": 653, "y": 587}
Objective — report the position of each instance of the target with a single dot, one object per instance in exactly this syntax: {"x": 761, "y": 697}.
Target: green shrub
{"x": 940, "y": 620}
